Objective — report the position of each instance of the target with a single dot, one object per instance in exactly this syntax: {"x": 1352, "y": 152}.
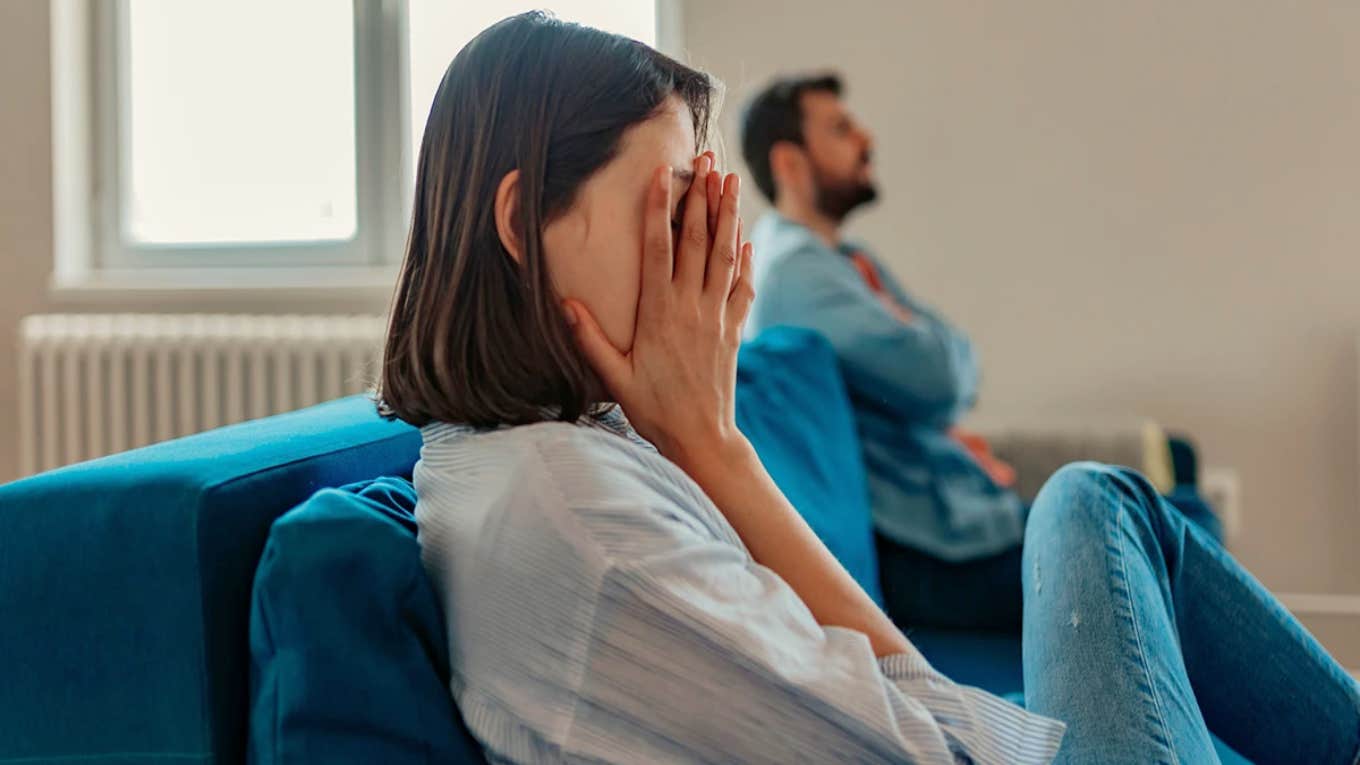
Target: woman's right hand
{"x": 677, "y": 383}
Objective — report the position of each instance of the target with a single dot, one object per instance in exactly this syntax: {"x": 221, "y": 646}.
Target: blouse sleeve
{"x": 710, "y": 655}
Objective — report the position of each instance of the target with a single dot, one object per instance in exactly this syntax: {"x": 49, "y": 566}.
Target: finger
{"x": 740, "y": 266}
{"x": 692, "y": 249}
{"x": 714, "y": 183}
{"x": 723, "y": 260}
{"x": 657, "y": 256}
{"x": 612, "y": 367}
{"x": 743, "y": 293}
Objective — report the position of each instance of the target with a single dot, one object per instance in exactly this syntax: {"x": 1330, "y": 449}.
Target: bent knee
{"x": 1080, "y": 481}
{"x": 1077, "y": 495}
{"x": 1089, "y": 493}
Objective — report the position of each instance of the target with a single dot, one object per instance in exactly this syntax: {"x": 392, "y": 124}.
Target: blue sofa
{"x": 152, "y": 602}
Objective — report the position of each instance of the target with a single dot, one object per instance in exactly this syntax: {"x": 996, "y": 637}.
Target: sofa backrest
{"x": 793, "y": 406}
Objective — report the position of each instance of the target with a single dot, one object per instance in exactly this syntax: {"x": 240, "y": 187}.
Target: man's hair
{"x": 776, "y": 114}
{"x": 476, "y": 336}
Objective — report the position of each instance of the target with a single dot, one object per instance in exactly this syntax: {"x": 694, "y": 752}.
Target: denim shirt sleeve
{"x": 923, "y": 370}
{"x": 969, "y": 376}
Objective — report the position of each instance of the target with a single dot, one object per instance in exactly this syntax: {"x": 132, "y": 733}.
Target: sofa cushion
{"x": 349, "y": 661}
{"x": 793, "y": 406}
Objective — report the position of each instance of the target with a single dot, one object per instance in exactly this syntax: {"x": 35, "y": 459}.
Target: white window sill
{"x": 363, "y": 285}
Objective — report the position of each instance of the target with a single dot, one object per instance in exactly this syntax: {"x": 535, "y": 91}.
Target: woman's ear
{"x": 507, "y": 215}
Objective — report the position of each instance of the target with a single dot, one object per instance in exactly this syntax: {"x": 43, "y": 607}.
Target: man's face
{"x": 839, "y": 149}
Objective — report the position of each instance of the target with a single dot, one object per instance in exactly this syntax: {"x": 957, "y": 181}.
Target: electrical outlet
{"x": 1222, "y": 489}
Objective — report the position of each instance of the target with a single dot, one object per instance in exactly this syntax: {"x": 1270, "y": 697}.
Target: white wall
{"x": 1148, "y": 207}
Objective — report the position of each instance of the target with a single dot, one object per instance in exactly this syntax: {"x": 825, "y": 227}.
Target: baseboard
{"x": 1333, "y": 619}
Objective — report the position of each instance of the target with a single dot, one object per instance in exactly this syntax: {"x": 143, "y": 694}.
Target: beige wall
{"x": 1148, "y": 207}
{"x": 25, "y": 194}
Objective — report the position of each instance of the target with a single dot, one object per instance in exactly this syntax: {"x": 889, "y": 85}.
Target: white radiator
{"x": 91, "y": 385}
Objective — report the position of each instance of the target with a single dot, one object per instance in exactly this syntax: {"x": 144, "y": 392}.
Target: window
{"x": 258, "y": 133}
{"x": 230, "y": 148}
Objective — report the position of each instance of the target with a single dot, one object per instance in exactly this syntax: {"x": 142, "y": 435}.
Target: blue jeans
{"x": 920, "y": 590}
{"x": 1143, "y": 634}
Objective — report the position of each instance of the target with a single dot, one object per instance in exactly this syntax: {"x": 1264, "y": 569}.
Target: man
{"x": 949, "y": 529}
{"x": 949, "y": 532}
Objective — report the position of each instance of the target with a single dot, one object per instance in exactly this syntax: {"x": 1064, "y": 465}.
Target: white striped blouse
{"x": 601, "y": 609}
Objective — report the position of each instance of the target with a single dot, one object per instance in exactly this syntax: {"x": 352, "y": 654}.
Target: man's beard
{"x": 836, "y": 199}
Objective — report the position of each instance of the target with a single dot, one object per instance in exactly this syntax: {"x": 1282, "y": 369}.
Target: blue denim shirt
{"x": 909, "y": 381}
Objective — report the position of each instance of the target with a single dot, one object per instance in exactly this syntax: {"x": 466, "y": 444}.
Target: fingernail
{"x": 705, "y": 165}
{"x": 571, "y": 314}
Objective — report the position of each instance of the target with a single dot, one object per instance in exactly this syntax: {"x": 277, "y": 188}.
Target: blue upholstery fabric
{"x": 125, "y": 583}
{"x": 349, "y": 661}
{"x": 793, "y": 406}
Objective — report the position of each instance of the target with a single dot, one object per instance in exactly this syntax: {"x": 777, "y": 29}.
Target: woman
{"x": 635, "y": 588}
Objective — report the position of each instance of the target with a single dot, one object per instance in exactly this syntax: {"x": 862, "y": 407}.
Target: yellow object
{"x": 1157, "y": 458}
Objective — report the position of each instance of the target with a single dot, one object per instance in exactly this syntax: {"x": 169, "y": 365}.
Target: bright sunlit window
{"x": 230, "y": 141}
{"x": 277, "y": 133}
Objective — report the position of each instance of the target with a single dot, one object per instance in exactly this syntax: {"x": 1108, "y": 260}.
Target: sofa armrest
{"x": 125, "y": 582}
{"x": 1037, "y": 450}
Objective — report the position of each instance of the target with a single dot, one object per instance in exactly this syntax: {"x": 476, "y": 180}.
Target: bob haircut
{"x": 474, "y": 336}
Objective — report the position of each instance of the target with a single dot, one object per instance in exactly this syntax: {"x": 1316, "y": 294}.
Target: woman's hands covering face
{"x": 677, "y": 383}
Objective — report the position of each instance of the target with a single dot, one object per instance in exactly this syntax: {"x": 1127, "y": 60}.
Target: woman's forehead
{"x": 666, "y": 138}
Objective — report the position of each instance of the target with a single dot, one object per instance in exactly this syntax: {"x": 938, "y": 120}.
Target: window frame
{"x": 380, "y": 113}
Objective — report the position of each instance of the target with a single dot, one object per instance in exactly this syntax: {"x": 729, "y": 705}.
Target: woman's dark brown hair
{"x": 475, "y": 336}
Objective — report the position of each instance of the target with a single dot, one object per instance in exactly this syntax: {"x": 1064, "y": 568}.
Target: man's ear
{"x": 507, "y": 215}
{"x": 788, "y": 163}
